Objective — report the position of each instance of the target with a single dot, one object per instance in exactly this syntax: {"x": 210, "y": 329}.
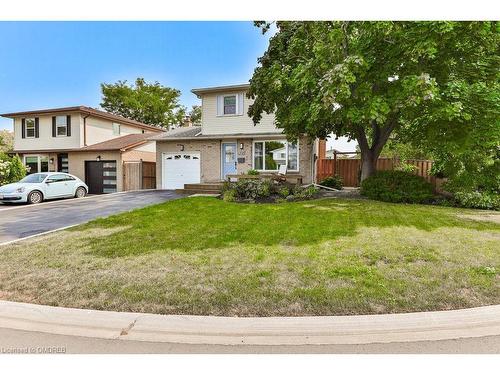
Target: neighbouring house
{"x": 228, "y": 143}
{"x": 94, "y": 145}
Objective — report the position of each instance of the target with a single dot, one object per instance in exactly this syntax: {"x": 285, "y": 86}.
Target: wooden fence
{"x": 139, "y": 175}
{"x": 349, "y": 169}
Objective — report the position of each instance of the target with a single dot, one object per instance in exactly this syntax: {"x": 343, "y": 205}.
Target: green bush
{"x": 249, "y": 189}
{"x": 334, "y": 182}
{"x": 11, "y": 169}
{"x": 229, "y": 195}
{"x": 305, "y": 193}
{"x": 253, "y": 172}
{"x": 397, "y": 187}
{"x": 284, "y": 192}
{"x": 476, "y": 199}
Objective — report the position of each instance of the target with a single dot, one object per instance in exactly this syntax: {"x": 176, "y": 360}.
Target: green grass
{"x": 205, "y": 256}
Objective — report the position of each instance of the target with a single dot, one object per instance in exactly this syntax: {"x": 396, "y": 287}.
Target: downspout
{"x": 85, "y": 130}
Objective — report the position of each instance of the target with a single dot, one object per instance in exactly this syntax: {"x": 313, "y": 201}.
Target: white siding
{"x": 100, "y": 130}
{"x": 45, "y": 140}
{"x": 229, "y": 124}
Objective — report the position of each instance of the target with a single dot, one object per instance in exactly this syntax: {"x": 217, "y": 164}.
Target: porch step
{"x": 197, "y": 191}
{"x": 204, "y": 186}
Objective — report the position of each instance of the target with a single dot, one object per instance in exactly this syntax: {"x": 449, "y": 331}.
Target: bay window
{"x": 269, "y": 155}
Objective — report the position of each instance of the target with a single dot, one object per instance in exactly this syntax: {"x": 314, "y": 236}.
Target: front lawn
{"x": 205, "y": 256}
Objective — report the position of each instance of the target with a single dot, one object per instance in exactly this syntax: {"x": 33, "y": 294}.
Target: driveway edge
{"x": 316, "y": 330}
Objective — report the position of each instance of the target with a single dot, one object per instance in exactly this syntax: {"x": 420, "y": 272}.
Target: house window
{"x": 62, "y": 126}
{"x": 230, "y": 105}
{"x": 36, "y": 163}
{"x": 269, "y": 155}
{"x": 116, "y": 129}
{"x": 30, "y": 127}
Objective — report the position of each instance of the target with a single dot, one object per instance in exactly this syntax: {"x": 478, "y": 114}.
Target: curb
{"x": 189, "y": 329}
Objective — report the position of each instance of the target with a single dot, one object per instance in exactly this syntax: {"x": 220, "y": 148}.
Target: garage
{"x": 100, "y": 176}
{"x": 180, "y": 168}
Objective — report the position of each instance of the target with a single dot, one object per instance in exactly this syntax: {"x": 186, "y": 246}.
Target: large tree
{"x": 368, "y": 80}
{"x": 150, "y": 103}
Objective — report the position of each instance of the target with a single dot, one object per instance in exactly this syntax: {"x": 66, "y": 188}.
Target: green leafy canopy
{"x": 150, "y": 103}
{"x": 368, "y": 80}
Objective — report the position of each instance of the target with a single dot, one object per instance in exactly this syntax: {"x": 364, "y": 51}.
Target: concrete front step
{"x": 204, "y": 186}
{"x": 197, "y": 191}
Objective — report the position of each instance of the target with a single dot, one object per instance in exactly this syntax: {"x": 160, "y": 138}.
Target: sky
{"x": 59, "y": 64}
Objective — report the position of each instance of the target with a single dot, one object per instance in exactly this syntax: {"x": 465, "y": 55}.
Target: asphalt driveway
{"x": 27, "y": 220}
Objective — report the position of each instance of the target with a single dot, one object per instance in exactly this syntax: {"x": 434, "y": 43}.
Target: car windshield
{"x": 34, "y": 178}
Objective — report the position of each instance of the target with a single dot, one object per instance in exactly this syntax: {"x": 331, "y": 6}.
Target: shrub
{"x": 284, "y": 192}
{"x": 250, "y": 189}
{"x": 229, "y": 195}
{"x": 11, "y": 169}
{"x": 476, "y": 199}
{"x": 253, "y": 172}
{"x": 334, "y": 182}
{"x": 305, "y": 193}
{"x": 397, "y": 187}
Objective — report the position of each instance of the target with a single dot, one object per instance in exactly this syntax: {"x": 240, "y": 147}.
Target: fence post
{"x": 334, "y": 163}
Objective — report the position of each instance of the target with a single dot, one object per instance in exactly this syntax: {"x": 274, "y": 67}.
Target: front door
{"x": 228, "y": 159}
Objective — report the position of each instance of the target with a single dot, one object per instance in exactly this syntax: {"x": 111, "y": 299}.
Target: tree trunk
{"x": 368, "y": 164}
{"x": 370, "y": 154}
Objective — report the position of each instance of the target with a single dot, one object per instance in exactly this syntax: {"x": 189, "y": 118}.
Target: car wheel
{"x": 35, "y": 197}
{"x": 80, "y": 192}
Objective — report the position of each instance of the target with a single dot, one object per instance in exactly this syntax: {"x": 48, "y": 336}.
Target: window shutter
{"x": 220, "y": 105}
{"x": 54, "y": 134}
{"x": 240, "y": 104}
{"x": 37, "y": 129}
{"x": 23, "y": 128}
{"x": 68, "y": 126}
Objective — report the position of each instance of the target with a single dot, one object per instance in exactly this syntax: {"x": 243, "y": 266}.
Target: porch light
{"x": 241, "y": 146}
{"x": 51, "y": 160}
{"x": 181, "y": 147}
{"x": 98, "y": 158}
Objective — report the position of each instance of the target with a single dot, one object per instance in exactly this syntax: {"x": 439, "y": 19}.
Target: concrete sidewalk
{"x": 210, "y": 330}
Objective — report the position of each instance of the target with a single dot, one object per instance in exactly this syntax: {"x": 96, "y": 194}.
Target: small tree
{"x": 195, "y": 114}
{"x": 150, "y": 103}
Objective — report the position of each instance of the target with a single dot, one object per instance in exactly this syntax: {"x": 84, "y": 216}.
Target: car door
{"x": 56, "y": 185}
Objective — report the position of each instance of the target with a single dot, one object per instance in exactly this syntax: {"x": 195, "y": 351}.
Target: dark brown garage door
{"x": 100, "y": 176}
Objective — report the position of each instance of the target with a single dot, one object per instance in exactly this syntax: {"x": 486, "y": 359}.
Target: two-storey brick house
{"x": 228, "y": 143}
{"x": 88, "y": 143}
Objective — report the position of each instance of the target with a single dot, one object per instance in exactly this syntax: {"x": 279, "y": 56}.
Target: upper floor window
{"x": 30, "y": 127}
{"x": 230, "y": 105}
{"x": 116, "y": 128}
{"x": 62, "y": 126}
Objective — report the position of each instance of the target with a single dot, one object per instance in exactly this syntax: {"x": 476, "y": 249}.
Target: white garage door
{"x": 180, "y": 169}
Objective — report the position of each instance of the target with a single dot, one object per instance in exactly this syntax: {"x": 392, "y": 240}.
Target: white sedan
{"x": 37, "y": 187}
